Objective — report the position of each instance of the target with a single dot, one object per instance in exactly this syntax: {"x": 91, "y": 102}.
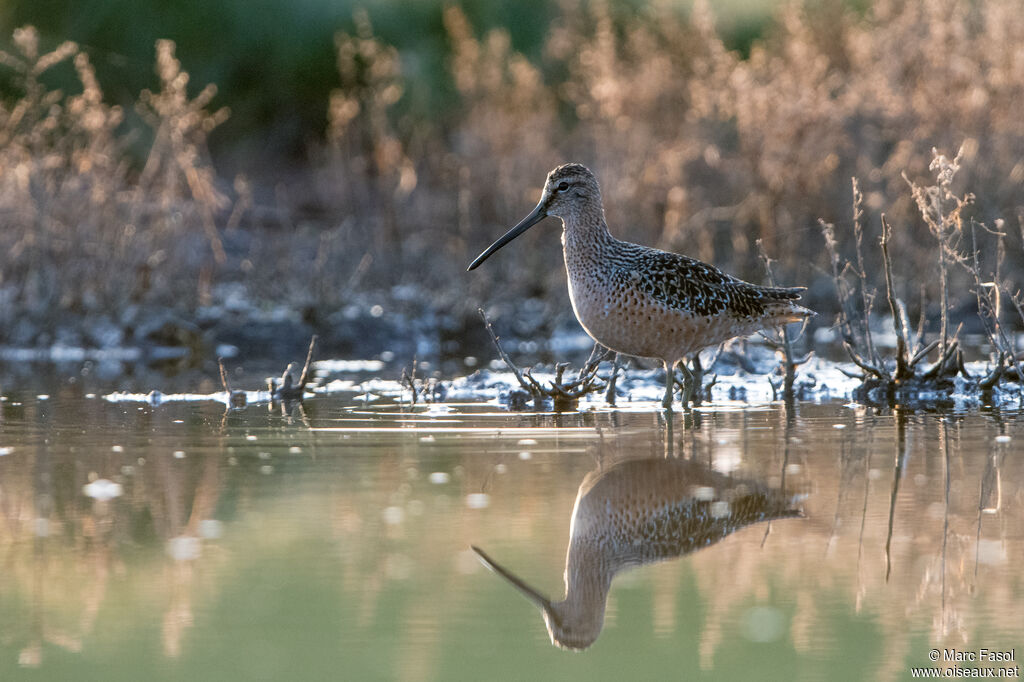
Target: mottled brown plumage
{"x": 635, "y": 512}
{"x": 642, "y": 301}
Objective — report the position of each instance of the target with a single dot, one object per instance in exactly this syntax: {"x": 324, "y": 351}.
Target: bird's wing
{"x": 694, "y": 286}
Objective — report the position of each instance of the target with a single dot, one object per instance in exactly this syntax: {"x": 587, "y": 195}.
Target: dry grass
{"x": 702, "y": 151}
{"x": 84, "y": 235}
{"x": 699, "y": 150}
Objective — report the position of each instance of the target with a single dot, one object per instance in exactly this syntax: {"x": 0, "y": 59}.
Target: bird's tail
{"x": 780, "y": 304}
{"x": 793, "y": 313}
{"x": 785, "y": 312}
{"x": 784, "y": 309}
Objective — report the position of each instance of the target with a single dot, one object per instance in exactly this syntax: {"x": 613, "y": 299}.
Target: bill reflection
{"x": 636, "y": 512}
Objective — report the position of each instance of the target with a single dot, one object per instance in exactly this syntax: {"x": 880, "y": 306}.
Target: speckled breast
{"x": 628, "y": 320}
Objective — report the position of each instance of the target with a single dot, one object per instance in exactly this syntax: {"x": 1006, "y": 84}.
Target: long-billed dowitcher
{"x": 638, "y": 512}
{"x": 641, "y": 301}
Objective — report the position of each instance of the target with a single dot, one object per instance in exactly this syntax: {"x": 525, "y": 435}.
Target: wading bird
{"x": 641, "y": 301}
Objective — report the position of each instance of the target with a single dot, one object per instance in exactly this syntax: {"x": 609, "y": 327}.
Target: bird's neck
{"x": 585, "y": 234}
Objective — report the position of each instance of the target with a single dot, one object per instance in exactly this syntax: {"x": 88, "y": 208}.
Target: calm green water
{"x": 333, "y": 541}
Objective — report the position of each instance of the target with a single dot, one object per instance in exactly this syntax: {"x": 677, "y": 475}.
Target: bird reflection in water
{"x": 637, "y": 512}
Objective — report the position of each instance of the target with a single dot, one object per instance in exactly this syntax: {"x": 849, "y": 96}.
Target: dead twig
{"x": 235, "y": 398}
{"x": 904, "y": 365}
{"x": 292, "y": 384}
{"x": 563, "y": 393}
{"x": 534, "y": 392}
{"x": 789, "y": 362}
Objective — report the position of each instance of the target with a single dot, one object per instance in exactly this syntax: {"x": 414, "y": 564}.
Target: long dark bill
{"x": 531, "y": 594}
{"x": 536, "y": 215}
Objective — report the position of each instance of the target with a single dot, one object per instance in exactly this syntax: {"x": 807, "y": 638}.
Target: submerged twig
{"x": 507, "y": 360}
{"x": 292, "y": 384}
{"x": 563, "y": 393}
{"x": 235, "y": 398}
{"x": 904, "y": 365}
{"x": 789, "y": 361}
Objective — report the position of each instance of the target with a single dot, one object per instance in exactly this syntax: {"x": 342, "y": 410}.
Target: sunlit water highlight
{"x": 182, "y": 540}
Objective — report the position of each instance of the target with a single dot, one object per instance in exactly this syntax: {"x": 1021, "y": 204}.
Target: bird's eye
{"x": 562, "y": 186}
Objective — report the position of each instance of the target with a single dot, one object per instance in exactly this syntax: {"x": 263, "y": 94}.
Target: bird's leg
{"x": 670, "y": 380}
{"x": 609, "y": 394}
{"x": 688, "y": 383}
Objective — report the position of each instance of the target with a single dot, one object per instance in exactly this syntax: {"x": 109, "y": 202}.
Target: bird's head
{"x": 570, "y": 191}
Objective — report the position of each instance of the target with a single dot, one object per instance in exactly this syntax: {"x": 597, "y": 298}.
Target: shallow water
{"x": 333, "y": 541}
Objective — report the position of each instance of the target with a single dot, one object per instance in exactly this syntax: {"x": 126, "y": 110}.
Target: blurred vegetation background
{"x": 275, "y": 63}
{"x": 350, "y": 160}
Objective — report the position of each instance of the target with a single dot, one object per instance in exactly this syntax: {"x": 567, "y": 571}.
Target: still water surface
{"x": 334, "y": 541}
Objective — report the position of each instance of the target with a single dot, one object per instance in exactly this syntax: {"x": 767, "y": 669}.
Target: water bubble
{"x": 117, "y": 448}
{"x": 250, "y": 437}
{"x": 179, "y": 454}
{"x": 266, "y": 469}
{"x": 839, "y": 426}
{"x": 1003, "y": 439}
{"x": 500, "y": 468}
{"x": 6, "y": 451}
{"x": 101, "y": 489}
{"x": 525, "y": 455}
{"x": 478, "y": 500}
{"x": 526, "y": 441}
{"x": 439, "y": 477}
{"x": 211, "y": 529}
{"x": 393, "y": 515}
{"x": 184, "y": 548}
{"x": 295, "y": 450}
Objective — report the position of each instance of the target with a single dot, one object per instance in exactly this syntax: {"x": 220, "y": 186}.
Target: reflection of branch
{"x": 863, "y": 520}
{"x": 901, "y": 454}
{"x": 207, "y": 493}
{"x": 945, "y": 518}
{"x": 991, "y": 481}
{"x": 787, "y": 434}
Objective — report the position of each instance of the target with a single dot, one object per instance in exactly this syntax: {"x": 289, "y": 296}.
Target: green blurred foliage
{"x": 274, "y": 61}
